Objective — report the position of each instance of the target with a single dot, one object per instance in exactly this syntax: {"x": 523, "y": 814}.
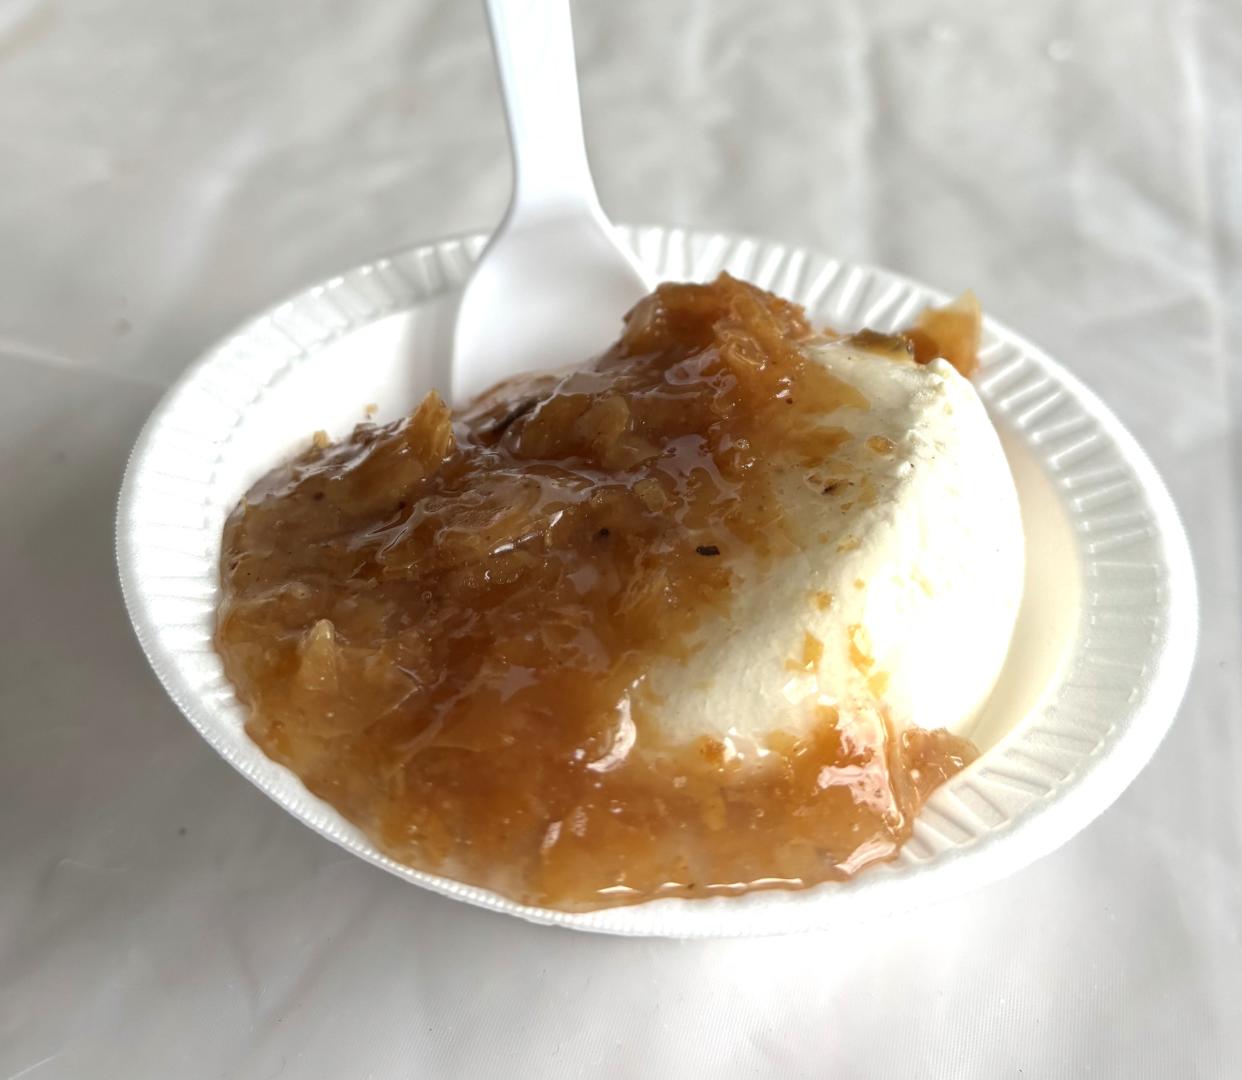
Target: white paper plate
{"x": 1100, "y": 659}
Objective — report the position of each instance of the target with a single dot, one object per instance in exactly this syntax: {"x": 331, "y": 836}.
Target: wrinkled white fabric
{"x": 165, "y": 169}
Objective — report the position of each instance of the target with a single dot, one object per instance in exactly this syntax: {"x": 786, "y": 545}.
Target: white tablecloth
{"x": 166, "y": 168}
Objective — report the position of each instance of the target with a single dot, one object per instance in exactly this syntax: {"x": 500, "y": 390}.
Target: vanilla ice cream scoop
{"x": 904, "y": 590}
{"x": 540, "y": 643}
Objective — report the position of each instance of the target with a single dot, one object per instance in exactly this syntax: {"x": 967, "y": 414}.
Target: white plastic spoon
{"x": 554, "y": 281}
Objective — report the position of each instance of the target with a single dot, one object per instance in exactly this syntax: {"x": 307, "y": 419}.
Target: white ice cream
{"x": 910, "y": 574}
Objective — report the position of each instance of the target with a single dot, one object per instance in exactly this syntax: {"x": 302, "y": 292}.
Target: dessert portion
{"x": 711, "y": 613}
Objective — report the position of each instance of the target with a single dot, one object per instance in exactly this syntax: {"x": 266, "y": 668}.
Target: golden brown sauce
{"x": 952, "y": 331}
{"x": 444, "y": 625}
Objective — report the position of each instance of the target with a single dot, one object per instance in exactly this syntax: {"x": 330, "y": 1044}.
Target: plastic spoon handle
{"x": 534, "y": 45}
{"x": 553, "y": 284}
